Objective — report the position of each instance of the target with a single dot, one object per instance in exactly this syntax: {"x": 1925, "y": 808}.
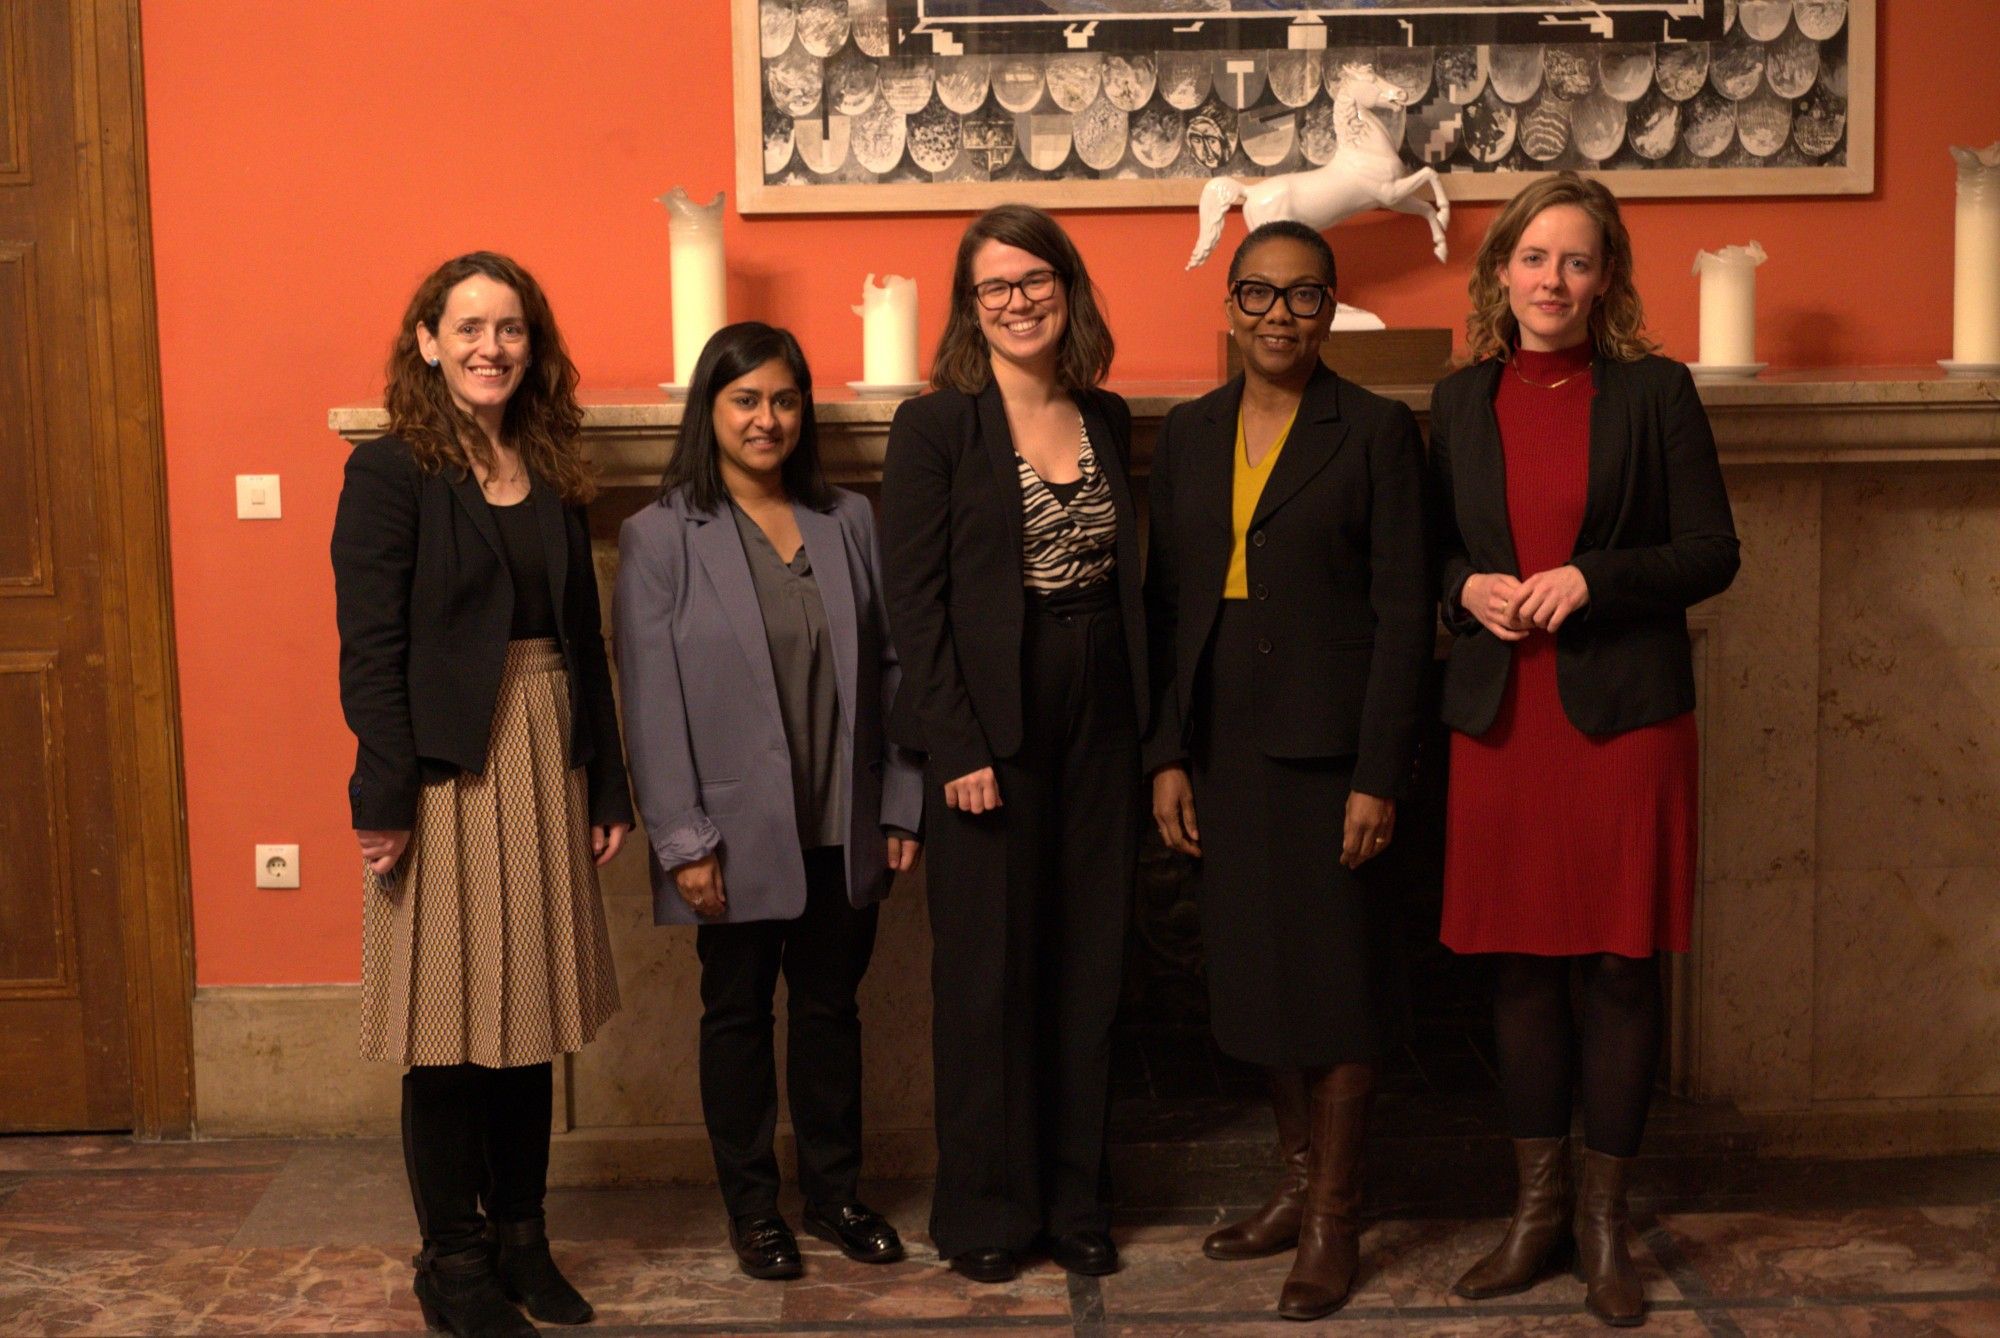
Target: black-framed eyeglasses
{"x": 1254, "y": 297}
{"x": 1037, "y": 285}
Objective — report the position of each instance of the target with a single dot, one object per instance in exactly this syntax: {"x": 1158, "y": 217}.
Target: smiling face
{"x": 1554, "y": 278}
{"x": 1027, "y": 331}
{"x": 481, "y": 345}
{"x": 757, "y": 420}
{"x": 1279, "y": 346}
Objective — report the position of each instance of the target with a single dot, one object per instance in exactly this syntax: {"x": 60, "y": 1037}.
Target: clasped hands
{"x": 1510, "y": 607}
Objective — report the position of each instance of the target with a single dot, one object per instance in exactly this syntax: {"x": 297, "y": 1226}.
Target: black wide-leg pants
{"x": 823, "y": 954}
{"x": 1028, "y": 909}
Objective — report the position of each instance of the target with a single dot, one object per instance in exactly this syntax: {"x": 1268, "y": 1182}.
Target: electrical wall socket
{"x": 257, "y": 497}
{"x": 277, "y": 866}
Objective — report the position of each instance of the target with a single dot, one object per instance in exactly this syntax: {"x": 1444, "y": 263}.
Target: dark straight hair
{"x": 1291, "y": 230}
{"x": 733, "y": 352}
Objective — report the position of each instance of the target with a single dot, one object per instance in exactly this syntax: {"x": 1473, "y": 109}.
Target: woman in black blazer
{"x": 1011, "y": 568}
{"x": 488, "y": 783}
{"x": 1291, "y": 616}
{"x": 1580, "y": 510}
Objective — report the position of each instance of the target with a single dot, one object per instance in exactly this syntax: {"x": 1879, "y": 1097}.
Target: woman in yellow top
{"x": 1290, "y": 625}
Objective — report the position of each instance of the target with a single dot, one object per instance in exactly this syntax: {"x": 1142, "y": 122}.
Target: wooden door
{"x": 74, "y": 697}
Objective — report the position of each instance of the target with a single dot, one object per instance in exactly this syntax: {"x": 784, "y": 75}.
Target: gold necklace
{"x": 1545, "y": 385}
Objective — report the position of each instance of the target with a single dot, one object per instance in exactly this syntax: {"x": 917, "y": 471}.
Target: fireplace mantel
{"x": 1866, "y": 415}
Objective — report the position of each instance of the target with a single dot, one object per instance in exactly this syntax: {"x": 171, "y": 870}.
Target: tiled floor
{"x": 103, "y": 1236}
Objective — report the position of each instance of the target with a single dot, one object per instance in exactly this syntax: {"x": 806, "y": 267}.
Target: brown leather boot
{"x": 1613, "y": 1293}
{"x": 1330, "y": 1223}
{"x": 1275, "y": 1226}
{"x": 1538, "y": 1239}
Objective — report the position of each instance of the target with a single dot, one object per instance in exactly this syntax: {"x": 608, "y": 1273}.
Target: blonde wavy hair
{"x": 1617, "y": 319}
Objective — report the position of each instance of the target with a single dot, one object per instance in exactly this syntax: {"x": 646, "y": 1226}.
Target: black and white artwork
{"x": 942, "y": 104}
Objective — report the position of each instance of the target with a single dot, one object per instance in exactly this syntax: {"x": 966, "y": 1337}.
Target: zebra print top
{"x": 1067, "y": 546}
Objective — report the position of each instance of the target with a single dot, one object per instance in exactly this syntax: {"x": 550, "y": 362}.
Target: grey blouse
{"x": 795, "y": 628}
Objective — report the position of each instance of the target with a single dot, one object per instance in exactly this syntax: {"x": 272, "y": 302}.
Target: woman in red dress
{"x": 1580, "y": 511}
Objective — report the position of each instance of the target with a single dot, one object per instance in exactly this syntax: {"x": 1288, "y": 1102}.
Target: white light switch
{"x": 277, "y": 866}
{"x": 257, "y": 497}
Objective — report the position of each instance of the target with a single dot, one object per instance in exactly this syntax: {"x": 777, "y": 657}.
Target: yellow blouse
{"x": 1246, "y": 489}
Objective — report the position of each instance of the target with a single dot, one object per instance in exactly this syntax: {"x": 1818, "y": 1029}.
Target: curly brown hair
{"x": 963, "y": 361}
{"x": 1617, "y": 319}
{"x": 542, "y": 419}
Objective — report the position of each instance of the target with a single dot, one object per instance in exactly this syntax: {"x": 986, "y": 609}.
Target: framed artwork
{"x": 912, "y": 105}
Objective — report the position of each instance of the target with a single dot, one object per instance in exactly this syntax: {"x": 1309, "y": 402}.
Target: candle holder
{"x": 1728, "y": 313}
{"x": 1975, "y": 306}
{"x": 700, "y": 276}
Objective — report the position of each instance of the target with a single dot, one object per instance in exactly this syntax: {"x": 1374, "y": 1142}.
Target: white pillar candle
{"x": 888, "y": 313}
{"x": 699, "y": 276}
{"x": 1975, "y": 311}
{"x": 1729, "y": 305}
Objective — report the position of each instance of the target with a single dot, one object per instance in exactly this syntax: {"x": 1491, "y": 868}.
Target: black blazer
{"x": 1340, "y": 582}
{"x": 951, "y": 544}
{"x": 1657, "y": 537}
{"x": 424, "y": 600}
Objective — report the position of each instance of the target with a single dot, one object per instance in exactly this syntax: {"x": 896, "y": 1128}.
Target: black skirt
{"x": 1302, "y": 956}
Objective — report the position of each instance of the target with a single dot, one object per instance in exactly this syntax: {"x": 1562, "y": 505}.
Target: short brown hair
{"x": 1617, "y": 319}
{"x": 964, "y": 362}
{"x": 542, "y": 419}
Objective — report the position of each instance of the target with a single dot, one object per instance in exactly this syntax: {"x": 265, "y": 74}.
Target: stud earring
{"x": 432, "y": 361}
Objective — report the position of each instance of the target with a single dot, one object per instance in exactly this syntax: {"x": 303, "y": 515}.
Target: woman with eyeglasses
{"x": 1011, "y": 557}
{"x": 1291, "y": 624}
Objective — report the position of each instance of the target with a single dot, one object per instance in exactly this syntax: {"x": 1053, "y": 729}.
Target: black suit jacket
{"x": 1656, "y": 538}
{"x": 951, "y": 545}
{"x": 425, "y": 599}
{"x": 1340, "y": 583}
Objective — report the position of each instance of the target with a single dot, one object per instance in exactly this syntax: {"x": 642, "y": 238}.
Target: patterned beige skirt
{"x": 489, "y": 946}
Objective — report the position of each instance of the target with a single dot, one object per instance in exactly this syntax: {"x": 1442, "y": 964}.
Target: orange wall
{"x": 311, "y": 161}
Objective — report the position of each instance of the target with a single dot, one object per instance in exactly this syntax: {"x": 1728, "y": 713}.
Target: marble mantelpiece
{"x": 1842, "y": 990}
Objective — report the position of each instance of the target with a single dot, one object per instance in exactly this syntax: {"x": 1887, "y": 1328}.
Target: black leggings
{"x": 1537, "y": 1031}
{"x": 473, "y": 1138}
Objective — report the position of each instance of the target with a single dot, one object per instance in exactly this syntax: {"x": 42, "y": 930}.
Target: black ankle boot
{"x": 460, "y": 1294}
{"x": 530, "y": 1275}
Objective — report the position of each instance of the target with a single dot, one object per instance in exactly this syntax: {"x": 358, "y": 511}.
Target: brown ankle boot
{"x": 1539, "y": 1236}
{"x": 1613, "y": 1292}
{"x": 1330, "y": 1222}
{"x": 1275, "y": 1226}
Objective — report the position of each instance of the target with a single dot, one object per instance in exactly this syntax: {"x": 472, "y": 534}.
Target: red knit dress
{"x": 1559, "y": 842}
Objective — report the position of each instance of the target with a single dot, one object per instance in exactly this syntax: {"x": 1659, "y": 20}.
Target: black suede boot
{"x": 531, "y": 1277}
{"x": 460, "y": 1294}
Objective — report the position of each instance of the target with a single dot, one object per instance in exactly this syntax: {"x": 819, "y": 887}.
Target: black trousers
{"x": 823, "y": 954}
{"x": 1028, "y": 907}
{"x": 473, "y": 1138}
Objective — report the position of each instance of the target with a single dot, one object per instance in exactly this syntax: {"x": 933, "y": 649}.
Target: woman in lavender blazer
{"x": 756, "y": 669}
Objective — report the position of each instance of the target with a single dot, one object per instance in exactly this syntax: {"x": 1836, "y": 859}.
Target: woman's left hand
{"x": 1371, "y": 822}
{"x": 606, "y": 841}
{"x": 903, "y": 851}
{"x": 1547, "y": 598}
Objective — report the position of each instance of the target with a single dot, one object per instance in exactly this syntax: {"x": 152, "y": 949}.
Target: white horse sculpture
{"x": 1366, "y": 172}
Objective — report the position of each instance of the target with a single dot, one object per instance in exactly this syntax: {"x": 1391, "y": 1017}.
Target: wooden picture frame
{"x": 1840, "y": 91}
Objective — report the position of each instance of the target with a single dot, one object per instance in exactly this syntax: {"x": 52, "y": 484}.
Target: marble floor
{"x": 103, "y": 1236}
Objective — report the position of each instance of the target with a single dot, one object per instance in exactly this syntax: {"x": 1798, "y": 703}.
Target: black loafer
{"x": 1088, "y": 1252}
{"x": 765, "y": 1247}
{"x": 861, "y": 1233}
{"x": 988, "y": 1263}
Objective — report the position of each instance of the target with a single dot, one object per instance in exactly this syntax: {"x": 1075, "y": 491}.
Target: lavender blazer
{"x": 704, "y": 739}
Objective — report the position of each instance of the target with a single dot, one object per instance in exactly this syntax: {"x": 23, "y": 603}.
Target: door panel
{"x": 64, "y": 1028}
